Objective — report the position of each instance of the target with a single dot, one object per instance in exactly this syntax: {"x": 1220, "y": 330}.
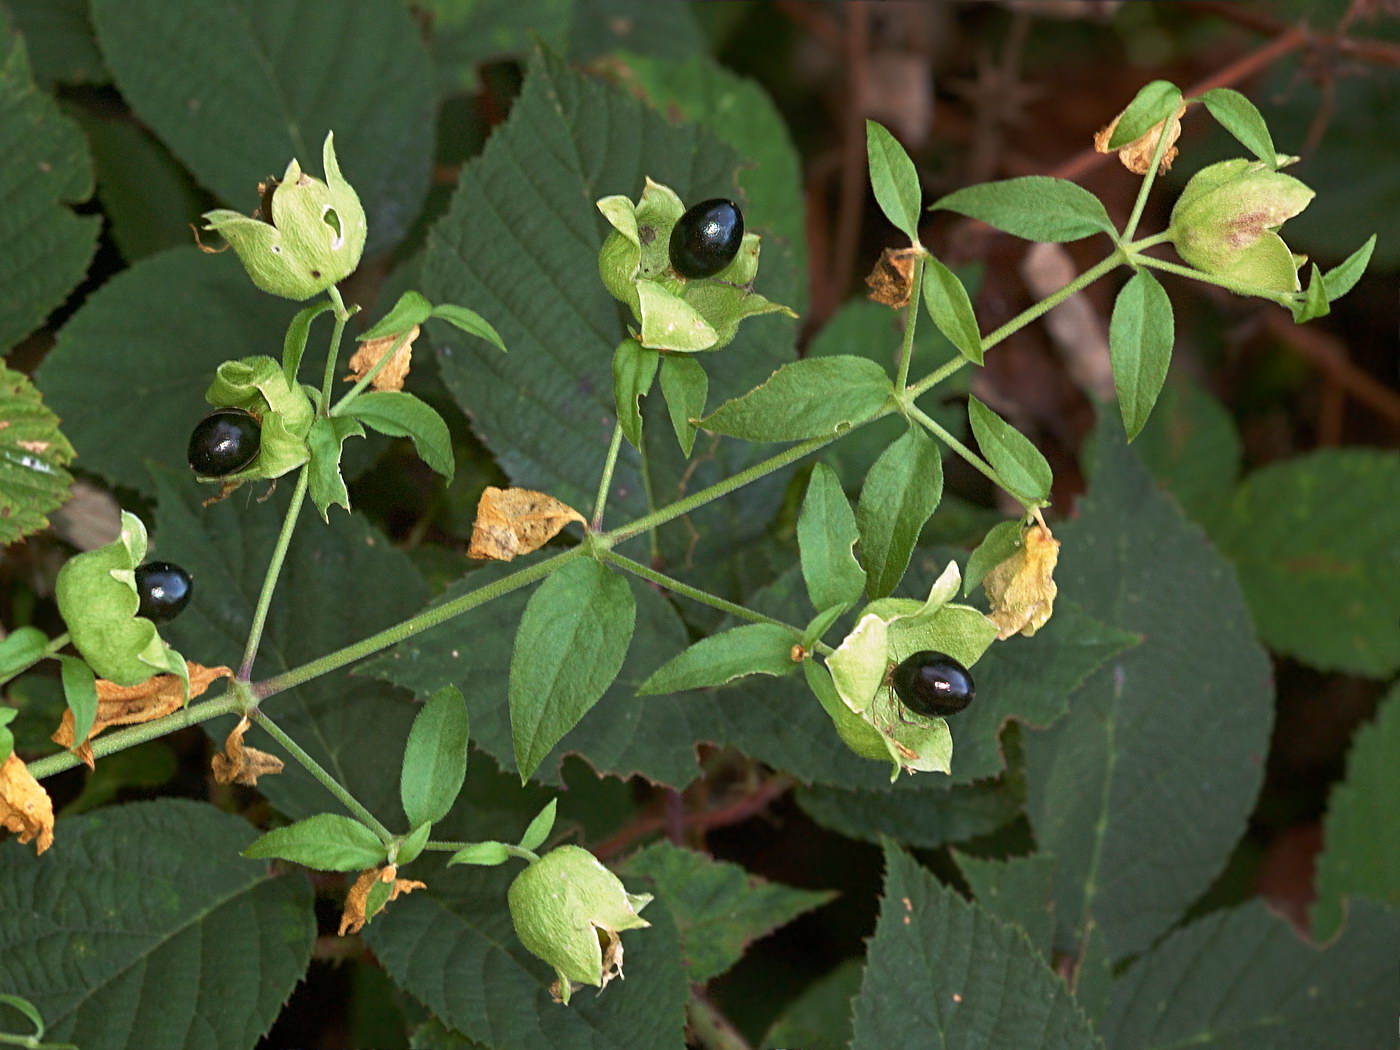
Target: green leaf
{"x": 33, "y": 454}
{"x": 894, "y": 180}
{"x": 1316, "y": 543}
{"x": 1010, "y": 453}
{"x": 821, "y": 623}
{"x": 827, "y": 535}
{"x": 1154, "y": 103}
{"x": 1140, "y": 338}
{"x": 1143, "y": 790}
{"x": 21, "y": 648}
{"x": 294, "y": 342}
{"x": 1034, "y": 208}
{"x": 45, "y": 167}
{"x": 484, "y": 854}
{"x": 633, "y": 370}
{"x": 262, "y": 102}
{"x": 984, "y": 986}
{"x": 951, "y": 309}
{"x": 900, "y": 494}
{"x": 408, "y": 310}
{"x": 685, "y": 386}
{"x": 60, "y": 41}
{"x": 820, "y": 1017}
{"x": 80, "y": 693}
{"x": 1242, "y": 119}
{"x": 540, "y": 827}
{"x": 471, "y": 322}
{"x": 1342, "y": 278}
{"x": 1314, "y": 303}
{"x": 923, "y": 812}
{"x": 435, "y": 761}
{"x": 399, "y": 414}
{"x": 168, "y": 883}
{"x": 756, "y": 648}
{"x": 1193, "y": 449}
{"x": 1017, "y": 890}
{"x": 1242, "y": 979}
{"x": 327, "y": 437}
{"x": 1361, "y": 837}
{"x": 718, "y": 906}
{"x": 156, "y": 332}
{"x": 808, "y": 398}
{"x": 571, "y": 643}
{"x": 412, "y": 846}
{"x": 326, "y": 842}
{"x": 25, "y": 1007}
{"x": 433, "y": 942}
{"x": 1000, "y": 543}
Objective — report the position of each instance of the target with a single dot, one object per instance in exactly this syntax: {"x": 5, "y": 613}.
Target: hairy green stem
{"x": 711, "y": 1029}
{"x": 328, "y": 377}
{"x": 911, "y": 321}
{"x": 1151, "y": 174}
{"x": 327, "y": 781}
{"x": 274, "y": 569}
{"x": 441, "y": 846}
{"x": 937, "y": 430}
{"x": 228, "y": 704}
{"x": 600, "y": 502}
{"x": 425, "y": 620}
{"x": 368, "y": 378}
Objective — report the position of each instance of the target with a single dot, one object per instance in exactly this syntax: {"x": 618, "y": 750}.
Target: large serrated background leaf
{"x": 32, "y": 456}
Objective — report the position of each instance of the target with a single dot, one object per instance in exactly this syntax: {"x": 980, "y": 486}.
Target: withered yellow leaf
{"x": 237, "y": 764}
{"x": 892, "y": 281}
{"x": 154, "y": 698}
{"x": 25, "y": 807}
{"x": 517, "y": 521}
{"x": 353, "y": 918}
{"x": 1021, "y": 590}
{"x": 392, "y": 375}
{"x": 1136, "y": 156}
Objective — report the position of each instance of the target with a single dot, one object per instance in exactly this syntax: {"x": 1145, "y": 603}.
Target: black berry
{"x": 706, "y": 238}
{"x": 224, "y": 442}
{"x": 933, "y": 684}
{"x": 164, "y": 589}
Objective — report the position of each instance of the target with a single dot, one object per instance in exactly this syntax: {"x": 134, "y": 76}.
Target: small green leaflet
{"x": 1140, "y": 338}
{"x": 685, "y": 387}
{"x": 540, "y": 827}
{"x": 901, "y": 491}
{"x": 808, "y": 398}
{"x": 1010, "y": 453}
{"x": 1343, "y": 277}
{"x": 894, "y": 179}
{"x": 326, "y": 440}
{"x": 33, "y": 454}
{"x": 411, "y": 309}
{"x": 470, "y": 322}
{"x": 80, "y": 692}
{"x": 435, "y": 759}
{"x": 633, "y": 370}
{"x": 1000, "y": 543}
{"x": 1154, "y": 103}
{"x": 1035, "y": 208}
{"x": 826, "y": 536}
{"x": 756, "y": 648}
{"x": 1242, "y": 119}
{"x": 951, "y": 309}
{"x": 326, "y": 842}
{"x": 400, "y": 414}
{"x": 294, "y": 343}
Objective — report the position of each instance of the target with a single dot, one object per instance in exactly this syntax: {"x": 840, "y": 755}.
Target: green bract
{"x": 887, "y": 631}
{"x": 675, "y": 313}
{"x": 568, "y": 909}
{"x": 312, "y": 238}
{"x": 259, "y": 385}
{"x": 1226, "y": 223}
{"x": 97, "y": 598}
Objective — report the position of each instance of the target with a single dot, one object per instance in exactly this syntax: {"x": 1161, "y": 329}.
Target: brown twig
{"x": 735, "y": 812}
{"x": 1328, "y": 354}
{"x": 851, "y": 204}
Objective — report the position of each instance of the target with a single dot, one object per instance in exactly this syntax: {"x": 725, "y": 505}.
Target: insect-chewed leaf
{"x": 517, "y": 521}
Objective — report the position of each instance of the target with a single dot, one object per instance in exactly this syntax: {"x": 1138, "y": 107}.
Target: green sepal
{"x": 284, "y": 411}
{"x": 1153, "y": 104}
{"x": 855, "y": 732}
{"x": 376, "y": 899}
{"x": 327, "y": 487}
{"x": 633, "y": 370}
{"x": 540, "y": 827}
{"x": 685, "y": 386}
{"x": 1314, "y": 303}
{"x": 1342, "y": 278}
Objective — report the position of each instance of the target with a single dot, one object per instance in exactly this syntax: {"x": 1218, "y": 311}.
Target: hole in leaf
{"x": 332, "y": 219}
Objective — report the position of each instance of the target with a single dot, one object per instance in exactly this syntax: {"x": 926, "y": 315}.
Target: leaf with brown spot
{"x": 517, "y": 521}
{"x": 237, "y": 764}
{"x": 353, "y": 918}
{"x": 395, "y": 370}
{"x": 154, "y": 698}
{"x": 25, "y": 807}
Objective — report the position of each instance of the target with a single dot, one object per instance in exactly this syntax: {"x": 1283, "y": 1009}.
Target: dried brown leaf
{"x": 892, "y": 280}
{"x": 237, "y": 764}
{"x": 1136, "y": 156}
{"x": 1021, "y": 590}
{"x": 392, "y": 375}
{"x": 517, "y": 521}
{"x": 353, "y": 918}
{"x": 25, "y": 807}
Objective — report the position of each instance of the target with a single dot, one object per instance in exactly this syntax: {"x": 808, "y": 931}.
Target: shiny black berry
{"x": 933, "y": 684}
{"x": 164, "y": 589}
{"x": 224, "y": 442}
{"x": 706, "y": 238}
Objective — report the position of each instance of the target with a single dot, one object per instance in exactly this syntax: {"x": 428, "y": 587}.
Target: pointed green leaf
{"x": 1242, "y": 119}
{"x": 719, "y": 907}
{"x": 540, "y": 827}
{"x": 570, "y": 645}
{"x": 900, "y": 493}
{"x": 685, "y": 386}
{"x": 1314, "y": 303}
{"x": 820, "y": 1017}
{"x": 435, "y": 760}
{"x": 25, "y": 1007}
{"x": 80, "y": 693}
{"x": 1010, "y": 453}
{"x": 1017, "y": 890}
{"x": 168, "y": 883}
{"x": 1034, "y": 207}
{"x": 804, "y": 399}
{"x": 1343, "y": 277}
{"x": 33, "y": 455}
{"x": 483, "y": 854}
{"x": 633, "y": 370}
{"x": 21, "y": 648}
{"x": 294, "y": 343}
{"x": 1140, "y": 338}
{"x": 821, "y": 623}
{"x": 1154, "y": 103}
{"x": 326, "y": 842}
{"x": 984, "y": 986}
{"x": 61, "y": 45}
{"x": 826, "y": 536}
{"x": 951, "y": 309}
{"x": 894, "y": 179}
{"x": 400, "y": 414}
{"x": 413, "y": 844}
{"x": 327, "y": 438}
{"x": 1000, "y": 543}
{"x": 471, "y": 322}
{"x": 756, "y": 648}
{"x": 410, "y": 309}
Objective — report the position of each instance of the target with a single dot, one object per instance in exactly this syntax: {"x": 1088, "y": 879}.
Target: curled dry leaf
{"x": 154, "y": 698}
{"x": 25, "y": 807}
{"x": 1136, "y": 156}
{"x": 392, "y": 375}
{"x": 353, "y": 918}
{"x": 1022, "y": 589}
{"x": 517, "y": 521}
{"x": 237, "y": 764}
{"x": 892, "y": 280}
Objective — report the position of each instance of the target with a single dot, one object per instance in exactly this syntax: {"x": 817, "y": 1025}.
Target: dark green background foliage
{"x": 1228, "y": 591}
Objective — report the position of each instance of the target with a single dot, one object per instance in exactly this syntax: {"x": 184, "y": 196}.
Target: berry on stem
{"x": 706, "y": 238}
{"x": 932, "y": 684}
{"x": 224, "y": 442}
{"x": 164, "y": 590}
